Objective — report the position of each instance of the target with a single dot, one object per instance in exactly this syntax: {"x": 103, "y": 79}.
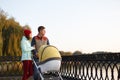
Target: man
{"x": 38, "y": 41}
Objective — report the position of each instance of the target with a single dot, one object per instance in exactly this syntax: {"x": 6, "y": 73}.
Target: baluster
{"x": 119, "y": 73}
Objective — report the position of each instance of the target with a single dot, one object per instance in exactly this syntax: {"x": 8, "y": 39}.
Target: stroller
{"x": 49, "y": 62}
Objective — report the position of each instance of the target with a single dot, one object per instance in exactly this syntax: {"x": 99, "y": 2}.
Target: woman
{"x": 26, "y": 54}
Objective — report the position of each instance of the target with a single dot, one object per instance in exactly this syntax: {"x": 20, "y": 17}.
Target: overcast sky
{"x": 84, "y": 25}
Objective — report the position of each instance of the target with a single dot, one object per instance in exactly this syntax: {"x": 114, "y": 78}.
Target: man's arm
{"x": 48, "y": 43}
{"x": 33, "y": 44}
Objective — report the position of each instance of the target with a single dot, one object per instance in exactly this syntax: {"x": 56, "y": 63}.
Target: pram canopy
{"x": 48, "y": 52}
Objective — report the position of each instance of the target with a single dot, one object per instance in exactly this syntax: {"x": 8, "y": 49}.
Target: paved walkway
{"x": 14, "y": 78}
{"x": 31, "y": 78}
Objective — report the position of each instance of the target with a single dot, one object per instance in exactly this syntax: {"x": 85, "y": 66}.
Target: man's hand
{"x": 37, "y": 56}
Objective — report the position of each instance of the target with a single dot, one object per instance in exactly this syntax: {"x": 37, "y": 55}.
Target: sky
{"x": 71, "y": 25}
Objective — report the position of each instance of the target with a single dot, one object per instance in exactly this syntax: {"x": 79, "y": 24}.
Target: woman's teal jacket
{"x": 26, "y": 49}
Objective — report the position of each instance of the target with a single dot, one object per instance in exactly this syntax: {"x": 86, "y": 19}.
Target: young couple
{"x": 28, "y": 47}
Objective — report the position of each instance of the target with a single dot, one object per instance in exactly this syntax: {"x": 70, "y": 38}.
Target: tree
{"x": 2, "y": 23}
{"x": 77, "y": 53}
{"x": 11, "y": 33}
{"x": 65, "y": 53}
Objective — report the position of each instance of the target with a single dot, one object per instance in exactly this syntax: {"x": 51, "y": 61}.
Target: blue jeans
{"x": 36, "y": 74}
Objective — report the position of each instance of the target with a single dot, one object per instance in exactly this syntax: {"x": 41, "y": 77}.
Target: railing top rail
{"x": 93, "y": 57}
{"x": 10, "y": 58}
{"x": 83, "y": 57}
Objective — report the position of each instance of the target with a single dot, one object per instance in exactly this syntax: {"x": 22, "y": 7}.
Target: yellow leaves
{"x": 65, "y": 53}
{"x": 10, "y": 35}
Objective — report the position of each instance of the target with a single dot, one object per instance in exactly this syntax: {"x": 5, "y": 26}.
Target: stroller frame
{"x": 40, "y": 73}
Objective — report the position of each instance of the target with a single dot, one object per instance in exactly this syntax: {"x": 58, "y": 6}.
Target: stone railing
{"x": 10, "y": 66}
{"x": 91, "y": 67}
{"x": 77, "y": 67}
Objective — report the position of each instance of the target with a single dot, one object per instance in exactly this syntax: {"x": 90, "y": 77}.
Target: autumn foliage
{"x": 10, "y": 35}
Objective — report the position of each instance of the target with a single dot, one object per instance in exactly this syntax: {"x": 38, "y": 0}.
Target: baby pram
{"x": 49, "y": 62}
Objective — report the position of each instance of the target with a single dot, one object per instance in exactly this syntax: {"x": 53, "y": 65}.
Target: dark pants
{"x": 28, "y": 69}
{"x": 36, "y": 74}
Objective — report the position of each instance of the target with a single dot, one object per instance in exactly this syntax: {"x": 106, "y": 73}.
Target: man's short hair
{"x": 40, "y": 28}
